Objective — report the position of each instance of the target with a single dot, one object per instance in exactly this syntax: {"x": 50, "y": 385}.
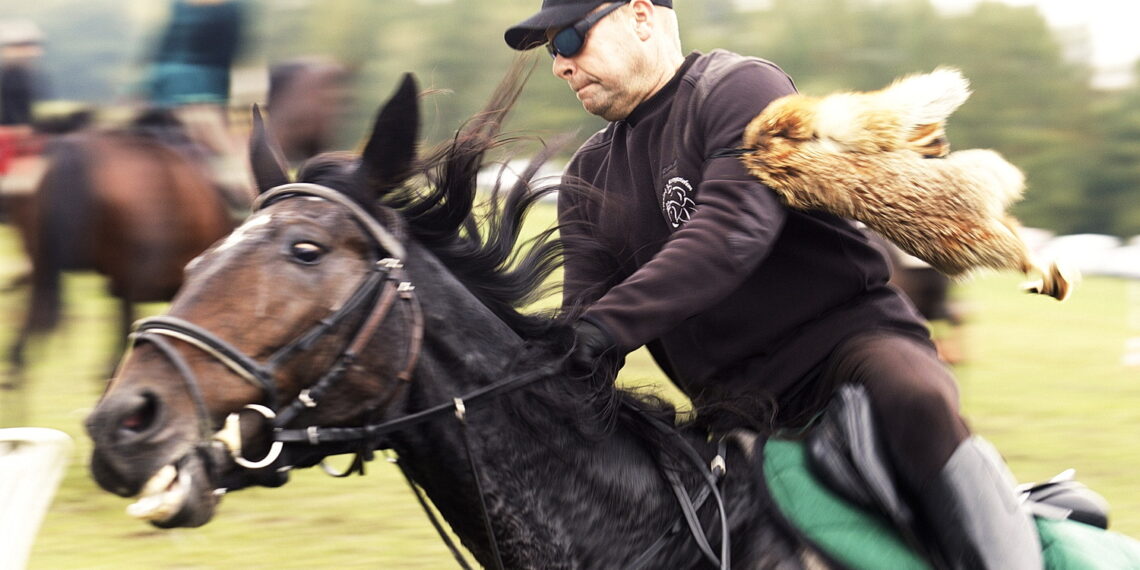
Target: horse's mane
{"x": 587, "y": 402}
{"x": 480, "y": 245}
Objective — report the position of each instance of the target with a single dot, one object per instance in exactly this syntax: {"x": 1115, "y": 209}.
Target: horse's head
{"x": 307, "y": 98}
{"x": 268, "y": 331}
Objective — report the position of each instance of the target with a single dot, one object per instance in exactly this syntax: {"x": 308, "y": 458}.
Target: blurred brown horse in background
{"x": 137, "y": 203}
{"x": 134, "y": 204}
{"x": 307, "y": 99}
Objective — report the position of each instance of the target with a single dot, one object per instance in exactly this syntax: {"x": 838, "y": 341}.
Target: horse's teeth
{"x": 162, "y": 496}
{"x": 159, "y": 482}
{"x": 144, "y": 508}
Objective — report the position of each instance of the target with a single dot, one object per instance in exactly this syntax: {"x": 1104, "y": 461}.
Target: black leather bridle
{"x": 385, "y": 283}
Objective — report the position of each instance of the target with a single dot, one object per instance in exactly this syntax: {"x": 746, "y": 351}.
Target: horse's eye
{"x": 307, "y": 252}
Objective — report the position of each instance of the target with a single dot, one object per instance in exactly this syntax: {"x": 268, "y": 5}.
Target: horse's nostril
{"x": 142, "y": 417}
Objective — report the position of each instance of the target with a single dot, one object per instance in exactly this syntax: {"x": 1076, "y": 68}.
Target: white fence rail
{"x": 32, "y": 461}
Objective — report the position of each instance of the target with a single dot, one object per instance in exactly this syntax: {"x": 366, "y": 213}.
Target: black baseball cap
{"x": 555, "y": 14}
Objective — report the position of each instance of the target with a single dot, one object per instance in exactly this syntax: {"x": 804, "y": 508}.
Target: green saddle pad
{"x": 860, "y": 539}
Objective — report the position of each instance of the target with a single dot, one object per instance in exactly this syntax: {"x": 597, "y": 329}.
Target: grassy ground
{"x": 1044, "y": 382}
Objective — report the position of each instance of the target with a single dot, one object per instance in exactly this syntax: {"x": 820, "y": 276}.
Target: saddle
{"x": 845, "y": 452}
{"x": 835, "y": 489}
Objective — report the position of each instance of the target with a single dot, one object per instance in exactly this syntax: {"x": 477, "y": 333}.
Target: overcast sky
{"x": 1111, "y": 24}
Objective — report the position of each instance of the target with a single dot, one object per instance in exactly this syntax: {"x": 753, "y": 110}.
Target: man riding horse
{"x": 758, "y": 312}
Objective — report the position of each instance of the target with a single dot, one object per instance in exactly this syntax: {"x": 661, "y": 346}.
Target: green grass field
{"x": 1044, "y": 382}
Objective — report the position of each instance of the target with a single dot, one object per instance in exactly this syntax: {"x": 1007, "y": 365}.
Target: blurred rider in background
{"x": 21, "y": 86}
{"x": 190, "y": 74}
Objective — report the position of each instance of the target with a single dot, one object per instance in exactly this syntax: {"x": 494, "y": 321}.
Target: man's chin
{"x": 594, "y": 107}
{"x": 603, "y": 107}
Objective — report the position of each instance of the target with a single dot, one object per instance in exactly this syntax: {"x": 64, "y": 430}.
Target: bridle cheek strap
{"x": 416, "y": 340}
{"x": 406, "y": 292}
{"x": 396, "y": 286}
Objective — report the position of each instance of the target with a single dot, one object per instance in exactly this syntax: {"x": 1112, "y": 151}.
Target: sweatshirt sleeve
{"x": 585, "y": 272}
{"x": 736, "y": 222}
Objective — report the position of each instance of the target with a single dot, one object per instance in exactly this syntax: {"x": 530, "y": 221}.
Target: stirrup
{"x": 1063, "y": 497}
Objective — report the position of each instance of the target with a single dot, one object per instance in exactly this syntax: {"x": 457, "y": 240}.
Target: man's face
{"x": 609, "y": 73}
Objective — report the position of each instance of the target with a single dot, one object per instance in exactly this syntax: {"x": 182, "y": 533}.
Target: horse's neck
{"x": 552, "y": 498}
{"x": 554, "y": 502}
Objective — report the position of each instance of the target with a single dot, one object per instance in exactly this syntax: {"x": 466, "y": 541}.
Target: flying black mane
{"x": 482, "y": 245}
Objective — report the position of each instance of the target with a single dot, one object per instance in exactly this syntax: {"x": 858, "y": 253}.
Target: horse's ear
{"x": 265, "y": 158}
{"x": 387, "y": 159}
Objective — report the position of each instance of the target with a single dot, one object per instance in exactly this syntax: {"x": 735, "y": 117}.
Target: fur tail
{"x": 928, "y": 98}
{"x": 991, "y": 171}
{"x": 1057, "y": 282}
{"x": 909, "y": 114}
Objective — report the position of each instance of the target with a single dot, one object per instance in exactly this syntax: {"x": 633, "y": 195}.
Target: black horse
{"x": 359, "y": 310}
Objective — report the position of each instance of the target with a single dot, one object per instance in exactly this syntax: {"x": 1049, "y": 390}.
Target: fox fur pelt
{"x": 882, "y": 158}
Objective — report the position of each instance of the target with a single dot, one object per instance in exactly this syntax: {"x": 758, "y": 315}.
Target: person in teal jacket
{"x": 190, "y": 75}
{"x": 194, "y": 56}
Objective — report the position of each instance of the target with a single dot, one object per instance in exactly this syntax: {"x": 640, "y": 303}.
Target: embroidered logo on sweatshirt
{"x": 677, "y": 201}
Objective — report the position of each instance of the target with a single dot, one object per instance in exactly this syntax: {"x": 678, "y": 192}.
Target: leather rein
{"x": 385, "y": 283}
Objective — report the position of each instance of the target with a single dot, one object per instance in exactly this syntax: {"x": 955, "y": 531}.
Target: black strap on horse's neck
{"x": 431, "y": 516}
{"x": 697, "y": 503}
{"x": 374, "y": 433}
{"x": 710, "y": 477}
{"x": 461, "y": 414}
{"x": 689, "y": 507}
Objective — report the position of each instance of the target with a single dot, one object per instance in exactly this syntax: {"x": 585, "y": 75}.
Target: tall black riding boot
{"x": 973, "y": 510}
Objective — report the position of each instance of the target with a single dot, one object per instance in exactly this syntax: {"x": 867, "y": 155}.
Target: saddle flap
{"x": 845, "y": 452}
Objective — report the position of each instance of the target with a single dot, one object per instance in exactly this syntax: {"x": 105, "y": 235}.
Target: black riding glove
{"x": 593, "y": 348}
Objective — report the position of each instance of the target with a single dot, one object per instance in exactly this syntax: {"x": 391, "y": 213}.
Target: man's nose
{"x": 562, "y": 67}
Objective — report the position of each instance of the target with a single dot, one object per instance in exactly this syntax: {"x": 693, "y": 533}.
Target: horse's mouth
{"x": 183, "y": 492}
{"x": 179, "y": 494}
{"x": 163, "y": 496}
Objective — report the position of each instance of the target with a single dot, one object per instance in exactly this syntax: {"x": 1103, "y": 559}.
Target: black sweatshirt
{"x": 732, "y": 292}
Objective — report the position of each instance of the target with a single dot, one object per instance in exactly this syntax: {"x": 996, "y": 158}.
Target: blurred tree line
{"x": 1079, "y": 146}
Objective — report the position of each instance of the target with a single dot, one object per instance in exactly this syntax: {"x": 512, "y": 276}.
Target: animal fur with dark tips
{"x": 883, "y": 158}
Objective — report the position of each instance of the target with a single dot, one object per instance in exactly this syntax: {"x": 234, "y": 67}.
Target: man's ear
{"x": 643, "y": 18}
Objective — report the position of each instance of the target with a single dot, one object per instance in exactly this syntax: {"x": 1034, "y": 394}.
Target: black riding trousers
{"x": 914, "y": 398}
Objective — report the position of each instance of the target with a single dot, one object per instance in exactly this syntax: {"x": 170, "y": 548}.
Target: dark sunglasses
{"x": 569, "y": 40}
